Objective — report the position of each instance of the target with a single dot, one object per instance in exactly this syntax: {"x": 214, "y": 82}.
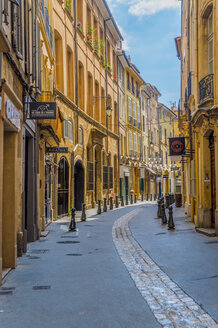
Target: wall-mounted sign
{"x": 56, "y": 150}
{"x": 13, "y": 114}
{"x": 177, "y": 146}
{"x": 43, "y": 110}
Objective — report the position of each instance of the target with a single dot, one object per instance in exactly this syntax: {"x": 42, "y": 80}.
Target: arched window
{"x": 81, "y": 136}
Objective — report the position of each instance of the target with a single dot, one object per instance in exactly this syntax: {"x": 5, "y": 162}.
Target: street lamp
{"x": 109, "y": 111}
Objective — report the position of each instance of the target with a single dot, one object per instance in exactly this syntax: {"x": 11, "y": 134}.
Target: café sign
{"x": 13, "y": 114}
{"x": 56, "y": 150}
{"x": 43, "y": 110}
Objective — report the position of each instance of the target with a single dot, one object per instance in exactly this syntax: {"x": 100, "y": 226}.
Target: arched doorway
{"x": 79, "y": 186}
{"x": 63, "y": 186}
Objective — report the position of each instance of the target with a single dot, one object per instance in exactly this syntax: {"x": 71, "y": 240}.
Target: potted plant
{"x": 79, "y": 25}
{"x": 68, "y": 4}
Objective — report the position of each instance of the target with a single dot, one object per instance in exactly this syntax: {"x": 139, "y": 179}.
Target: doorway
{"x": 213, "y": 179}
{"x": 79, "y": 186}
{"x": 48, "y": 173}
{"x": 63, "y": 187}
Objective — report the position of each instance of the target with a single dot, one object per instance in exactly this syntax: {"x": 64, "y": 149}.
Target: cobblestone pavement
{"x": 171, "y": 306}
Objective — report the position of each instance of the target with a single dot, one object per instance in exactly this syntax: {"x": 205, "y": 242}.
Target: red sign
{"x": 177, "y": 146}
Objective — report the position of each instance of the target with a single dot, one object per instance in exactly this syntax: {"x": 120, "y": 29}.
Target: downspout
{"x": 118, "y": 108}
{"x": 77, "y": 105}
{"x": 106, "y": 100}
{"x": 76, "y": 72}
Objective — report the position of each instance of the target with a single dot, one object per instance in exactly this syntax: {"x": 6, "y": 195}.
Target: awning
{"x": 151, "y": 171}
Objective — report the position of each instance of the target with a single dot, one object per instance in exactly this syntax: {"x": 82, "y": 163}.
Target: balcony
{"x": 206, "y": 88}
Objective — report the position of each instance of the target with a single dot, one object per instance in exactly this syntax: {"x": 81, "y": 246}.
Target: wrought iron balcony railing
{"x": 206, "y": 88}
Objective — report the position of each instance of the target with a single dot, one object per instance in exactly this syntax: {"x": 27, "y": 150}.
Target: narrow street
{"x": 120, "y": 269}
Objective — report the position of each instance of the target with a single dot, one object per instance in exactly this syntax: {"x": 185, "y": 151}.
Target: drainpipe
{"x": 197, "y": 180}
{"x": 76, "y": 71}
{"x": 118, "y": 109}
{"x": 106, "y": 92}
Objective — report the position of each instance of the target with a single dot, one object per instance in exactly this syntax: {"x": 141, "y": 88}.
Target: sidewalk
{"x": 187, "y": 257}
{"x": 93, "y": 211}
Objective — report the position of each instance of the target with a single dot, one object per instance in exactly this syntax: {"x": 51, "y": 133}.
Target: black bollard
{"x": 122, "y": 201}
{"x": 111, "y": 203}
{"x": 163, "y": 214}
{"x": 167, "y": 198}
{"x": 171, "y": 225}
{"x": 105, "y": 205}
{"x": 135, "y": 200}
{"x": 83, "y": 214}
{"x": 142, "y": 198}
{"x": 159, "y": 209}
{"x": 116, "y": 202}
{"x": 72, "y": 226}
{"x": 131, "y": 199}
{"x": 99, "y": 207}
{"x": 127, "y": 200}
{"x": 151, "y": 198}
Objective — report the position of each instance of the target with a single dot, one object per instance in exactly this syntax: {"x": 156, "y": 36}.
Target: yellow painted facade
{"x": 133, "y": 83}
{"x": 199, "y": 116}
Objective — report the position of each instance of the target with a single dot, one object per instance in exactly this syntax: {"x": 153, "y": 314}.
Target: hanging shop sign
{"x": 177, "y": 146}
{"x": 13, "y": 114}
{"x": 43, "y": 110}
{"x": 57, "y": 150}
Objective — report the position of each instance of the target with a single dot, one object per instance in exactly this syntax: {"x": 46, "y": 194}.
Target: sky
{"x": 149, "y": 28}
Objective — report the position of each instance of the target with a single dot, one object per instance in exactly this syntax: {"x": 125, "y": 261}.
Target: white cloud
{"x": 146, "y": 7}
{"x": 150, "y": 7}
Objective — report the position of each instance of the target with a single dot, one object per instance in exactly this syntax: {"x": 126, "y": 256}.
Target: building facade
{"x": 198, "y": 119}
{"x": 20, "y": 76}
{"x": 133, "y": 83}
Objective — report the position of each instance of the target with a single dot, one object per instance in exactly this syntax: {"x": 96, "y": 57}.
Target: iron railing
{"x": 206, "y": 88}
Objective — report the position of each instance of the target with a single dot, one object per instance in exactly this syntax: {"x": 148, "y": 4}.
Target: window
{"x": 130, "y": 110}
{"x": 164, "y": 116}
{"x": 135, "y": 144}
{"x": 166, "y": 157}
{"x": 130, "y": 143}
{"x": 134, "y": 113}
{"x": 105, "y": 177}
{"x": 143, "y": 123}
{"x": 111, "y": 177}
{"x": 165, "y": 135}
{"x": 128, "y": 82}
{"x": 80, "y": 136}
{"x": 210, "y": 43}
{"x": 140, "y": 145}
{"x": 133, "y": 88}
{"x": 160, "y": 133}
{"x": 68, "y": 130}
{"x": 139, "y": 117}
